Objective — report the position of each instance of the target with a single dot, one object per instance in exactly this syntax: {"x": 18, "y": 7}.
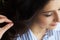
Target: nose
{"x": 57, "y": 16}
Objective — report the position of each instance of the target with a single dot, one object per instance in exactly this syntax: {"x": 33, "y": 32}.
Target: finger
{"x": 7, "y": 20}
{"x": 4, "y": 19}
{"x": 8, "y": 26}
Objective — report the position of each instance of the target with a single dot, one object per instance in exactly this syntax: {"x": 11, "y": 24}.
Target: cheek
{"x": 49, "y": 20}
{"x": 45, "y": 21}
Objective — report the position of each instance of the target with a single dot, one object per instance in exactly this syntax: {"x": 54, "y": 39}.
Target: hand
{"x": 6, "y": 27}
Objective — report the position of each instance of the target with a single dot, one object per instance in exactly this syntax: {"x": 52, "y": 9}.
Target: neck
{"x": 37, "y": 31}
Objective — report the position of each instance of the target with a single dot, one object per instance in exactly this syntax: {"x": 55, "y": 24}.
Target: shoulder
{"x": 25, "y": 36}
{"x": 17, "y": 37}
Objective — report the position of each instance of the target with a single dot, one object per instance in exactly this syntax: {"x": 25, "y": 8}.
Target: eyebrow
{"x": 52, "y": 0}
{"x": 46, "y": 11}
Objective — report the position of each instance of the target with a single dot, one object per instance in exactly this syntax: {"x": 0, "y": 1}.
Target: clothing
{"x": 50, "y": 35}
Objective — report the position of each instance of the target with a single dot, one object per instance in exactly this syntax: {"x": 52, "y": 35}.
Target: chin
{"x": 52, "y": 27}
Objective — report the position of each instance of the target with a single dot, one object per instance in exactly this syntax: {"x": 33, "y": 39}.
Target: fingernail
{"x": 11, "y": 23}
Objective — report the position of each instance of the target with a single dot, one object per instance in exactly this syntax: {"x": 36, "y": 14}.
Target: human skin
{"x": 43, "y": 22}
{"x": 47, "y": 19}
{"x": 7, "y": 26}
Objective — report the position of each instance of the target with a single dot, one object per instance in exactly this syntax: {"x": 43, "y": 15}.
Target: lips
{"x": 53, "y": 24}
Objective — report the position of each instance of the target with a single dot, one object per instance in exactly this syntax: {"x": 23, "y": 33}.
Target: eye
{"x": 48, "y": 14}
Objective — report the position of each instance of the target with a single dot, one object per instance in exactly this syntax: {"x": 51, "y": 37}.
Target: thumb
{"x": 8, "y": 26}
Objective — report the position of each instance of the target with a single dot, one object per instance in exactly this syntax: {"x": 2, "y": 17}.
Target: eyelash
{"x": 48, "y": 15}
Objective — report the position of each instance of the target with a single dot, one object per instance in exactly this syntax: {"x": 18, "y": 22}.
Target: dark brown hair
{"x": 25, "y": 9}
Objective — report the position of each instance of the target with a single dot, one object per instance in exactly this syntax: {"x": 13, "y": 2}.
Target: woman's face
{"x": 50, "y": 15}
